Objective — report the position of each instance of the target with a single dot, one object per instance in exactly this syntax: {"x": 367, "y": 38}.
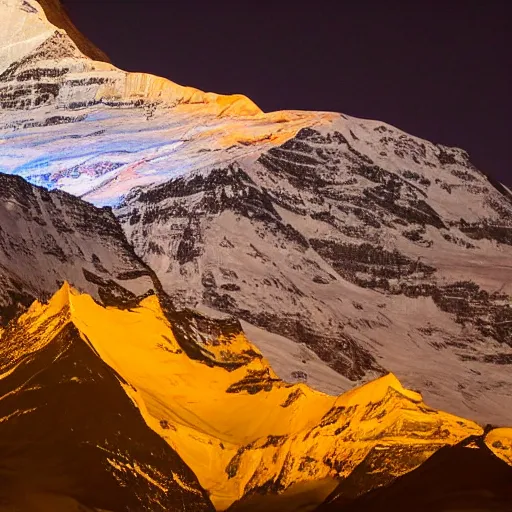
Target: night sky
{"x": 441, "y": 71}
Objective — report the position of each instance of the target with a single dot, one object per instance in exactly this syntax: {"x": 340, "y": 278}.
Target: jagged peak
{"x": 31, "y": 20}
{"x": 68, "y": 300}
{"x": 31, "y": 23}
{"x": 68, "y": 305}
{"x": 63, "y": 297}
{"x": 264, "y": 422}
{"x": 59, "y": 303}
{"x": 57, "y": 15}
{"x": 24, "y": 28}
{"x": 377, "y": 389}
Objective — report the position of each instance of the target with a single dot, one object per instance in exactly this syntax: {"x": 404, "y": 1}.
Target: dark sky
{"x": 440, "y": 70}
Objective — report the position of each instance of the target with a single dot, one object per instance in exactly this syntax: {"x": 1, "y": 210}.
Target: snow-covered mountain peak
{"x": 61, "y": 303}
{"x": 24, "y": 28}
{"x": 222, "y": 334}
{"x": 47, "y": 238}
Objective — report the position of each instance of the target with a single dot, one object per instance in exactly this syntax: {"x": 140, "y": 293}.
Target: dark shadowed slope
{"x": 464, "y": 478}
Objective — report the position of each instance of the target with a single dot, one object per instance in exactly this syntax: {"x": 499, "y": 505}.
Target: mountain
{"x": 58, "y": 16}
{"x": 114, "y": 400}
{"x": 47, "y": 238}
{"x": 347, "y": 247}
{"x": 71, "y": 438}
{"x": 367, "y": 260}
{"x": 149, "y": 408}
{"x": 207, "y": 307}
{"x": 47, "y": 84}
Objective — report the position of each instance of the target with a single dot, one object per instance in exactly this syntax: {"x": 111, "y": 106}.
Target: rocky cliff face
{"x": 374, "y": 249}
{"x": 47, "y": 238}
{"x": 51, "y": 94}
{"x": 347, "y": 247}
{"x": 57, "y": 15}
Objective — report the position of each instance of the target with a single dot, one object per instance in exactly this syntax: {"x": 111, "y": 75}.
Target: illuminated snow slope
{"x": 214, "y": 399}
{"x": 348, "y": 247}
{"x": 72, "y": 439}
{"x": 89, "y": 128}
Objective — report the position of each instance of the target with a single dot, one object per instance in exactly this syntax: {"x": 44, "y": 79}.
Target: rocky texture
{"x": 57, "y": 15}
{"x": 71, "y": 436}
{"x": 368, "y": 248}
{"x": 365, "y": 259}
{"x": 47, "y": 238}
{"x": 460, "y": 478}
{"x": 347, "y": 247}
{"x": 52, "y": 95}
{"x": 148, "y": 391}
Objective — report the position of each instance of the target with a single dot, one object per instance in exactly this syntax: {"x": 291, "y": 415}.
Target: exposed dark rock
{"x": 479, "y": 231}
{"x": 57, "y": 15}
{"x": 372, "y": 220}
{"x": 454, "y": 478}
{"x": 292, "y": 398}
{"x": 195, "y": 333}
{"x": 254, "y": 382}
{"x": 49, "y": 237}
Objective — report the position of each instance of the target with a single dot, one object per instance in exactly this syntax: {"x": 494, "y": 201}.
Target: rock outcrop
{"x": 47, "y": 238}
{"x": 71, "y": 436}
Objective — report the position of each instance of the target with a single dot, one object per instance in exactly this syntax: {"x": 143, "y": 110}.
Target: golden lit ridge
{"x": 232, "y": 421}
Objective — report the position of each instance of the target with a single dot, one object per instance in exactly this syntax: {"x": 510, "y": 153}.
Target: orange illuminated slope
{"x": 70, "y": 438}
{"x": 349, "y": 247}
{"x": 205, "y": 390}
{"x": 499, "y": 441}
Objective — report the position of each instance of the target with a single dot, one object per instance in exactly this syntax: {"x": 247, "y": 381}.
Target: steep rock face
{"x": 371, "y": 247}
{"x": 49, "y": 237}
{"x": 203, "y": 388}
{"x": 57, "y": 15}
{"x": 71, "y": 437}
